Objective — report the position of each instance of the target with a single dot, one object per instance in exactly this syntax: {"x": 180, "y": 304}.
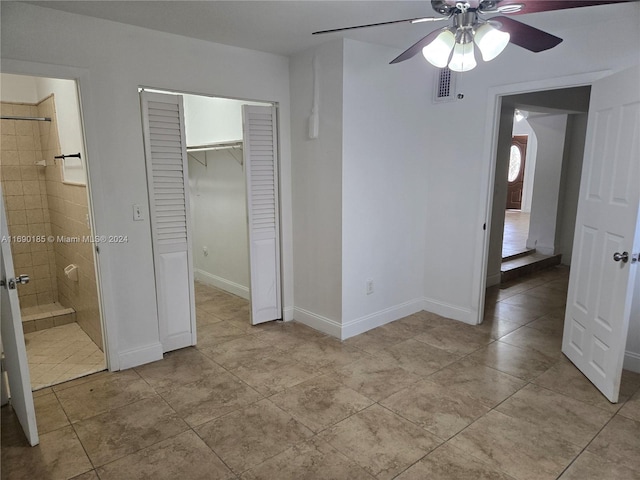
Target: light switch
{"x": 137, "y": 213}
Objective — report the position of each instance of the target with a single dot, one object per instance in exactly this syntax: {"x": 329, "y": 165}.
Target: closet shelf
{"x": 215, "y": 146}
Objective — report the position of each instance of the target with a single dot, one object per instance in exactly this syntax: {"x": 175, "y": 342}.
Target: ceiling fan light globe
{"x": 463, "y": 58}
{"x": 491, "y": 41}
{"x": 437, "y": 53}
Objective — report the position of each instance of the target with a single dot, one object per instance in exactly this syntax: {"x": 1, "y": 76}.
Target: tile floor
{"x": 516, "y": 231}
{"x": 421, "y": 398}
{"x": 61, "y": 353}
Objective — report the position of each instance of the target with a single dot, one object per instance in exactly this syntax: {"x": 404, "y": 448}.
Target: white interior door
{"x": 601, "y": 289}
{"x": 15, "y": 352}
{"x": 167, "y": 174}
{"x": 261, "y": 169}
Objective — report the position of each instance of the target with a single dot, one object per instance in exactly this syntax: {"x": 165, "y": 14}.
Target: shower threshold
{"x": 46, "y": 316}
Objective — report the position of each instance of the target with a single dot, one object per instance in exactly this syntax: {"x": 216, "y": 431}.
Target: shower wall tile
{"x": 24, "y": 188}
{"x": 67, "y": 210}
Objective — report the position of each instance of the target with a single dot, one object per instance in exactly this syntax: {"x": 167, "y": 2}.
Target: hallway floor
{"x": 516, "y": 231}
{"x": 422, "y": 397}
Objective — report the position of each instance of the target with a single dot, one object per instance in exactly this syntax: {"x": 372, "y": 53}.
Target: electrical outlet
{"x": 369, "y": 287}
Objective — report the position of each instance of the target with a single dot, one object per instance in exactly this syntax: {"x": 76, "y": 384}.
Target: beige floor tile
{"x": 381, "y": 442}
{"x": 102, "y": 394}
{"x": 449, "y": 463}
{"x": 556, "y": 414}
{"x": 128, "y": 429}
{"x": 320, "y": 402}
{"x": 516, "y": 447}
{"x": 240, "y": 351}
{"x": 485, "y": 384}
{"x": 547, "y": 343}
{"x": 218, "y": 332}
{"x": 418, "y": 357}
{"x": 286, "y": 335}
{"x": 513, "y": 313}
{"x": 565, "y": 378}
{"x": 619, "y": 442}
{"x": 497, "y": 327}
{"x": 179, "y": 367}
{"x": 631, "y": 409}
{"x": 456, "y": 339}
{"x": 375, "y": 377}
{"x": 313, "y": 460}
{"x": 61, "y": 353}
{"x": 273, "y": 373}
{"x": 436, "y": 409}
{"x": 49, "y": 413}
{"x": 592, "y": 467}
{"x": 551, "y": 324}
{"x": 248, "y": 437}
{"x": 92, "y": 475}
{"x": 184, "y": 456}
{"x": 210, "y": 398}
{"x": 58, "y": 456}
{"x": 326, "y": 353}
{"x": 523, "y": 363}
{"x": 375, "y": 340}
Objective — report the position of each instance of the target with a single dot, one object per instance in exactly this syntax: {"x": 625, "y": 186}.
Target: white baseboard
{"x": 382, "y": 317}
{"x": 317, "y": 322}
{"x": 222, "y": 283}
{"x": 287, "y": 314}
{"x": 632, "y": 361}
{"x": 140, "y": 356}
{"x": 450, "y": 311}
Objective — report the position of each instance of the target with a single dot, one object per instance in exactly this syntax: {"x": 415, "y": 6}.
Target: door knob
{"x": 624, "y": 257}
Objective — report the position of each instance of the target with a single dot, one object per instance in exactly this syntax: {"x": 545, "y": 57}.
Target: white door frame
{"x": 97, "y": 203}
{"x": 488, "y": 159}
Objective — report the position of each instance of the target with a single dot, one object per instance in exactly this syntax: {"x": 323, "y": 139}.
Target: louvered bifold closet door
{"x": 261, "y": 169}
{"x": 167, "y": 174}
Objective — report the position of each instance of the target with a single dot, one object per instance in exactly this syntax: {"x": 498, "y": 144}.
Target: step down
{"x": 526, "y": 265}
{"x": 521, "y": 254}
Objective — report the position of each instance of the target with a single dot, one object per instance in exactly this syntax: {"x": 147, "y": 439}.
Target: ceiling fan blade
{"x": 530, "y": 6}
{"x": 526, "y": 36}
{"x": 416, "y": 47}
{"x": 406, "y": 20}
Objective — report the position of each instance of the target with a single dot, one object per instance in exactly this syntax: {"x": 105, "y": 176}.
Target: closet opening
{"x": 231, "y": 206}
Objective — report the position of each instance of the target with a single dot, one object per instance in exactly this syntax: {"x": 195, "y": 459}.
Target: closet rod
{"x": 38, "y": 119}
{"x": 215, "y": 146}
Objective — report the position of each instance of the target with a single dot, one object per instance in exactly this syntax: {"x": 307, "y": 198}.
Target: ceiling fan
{"x": 453, "y": 46}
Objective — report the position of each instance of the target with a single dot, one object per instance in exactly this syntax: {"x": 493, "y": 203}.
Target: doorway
{"x": 46, "y": 194}
{"x": 539, "y": 165}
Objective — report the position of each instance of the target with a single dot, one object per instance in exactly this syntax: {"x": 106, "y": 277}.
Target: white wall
{"x": 551, "y": 132}
{"x": 212, "y": 120}
{"x": 219, "y": 220}
{"x": 523, "y": 128}
{"x": 383, "y": 192}
{"x": 114, "y": 60}
{"x": 570, "y": 185}
{"x": 18, "y": 88}
{"x": 317, "y": 188}
{"x": 69, "y": 125}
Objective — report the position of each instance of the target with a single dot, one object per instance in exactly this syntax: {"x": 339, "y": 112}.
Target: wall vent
{"x": 445, "y": 86}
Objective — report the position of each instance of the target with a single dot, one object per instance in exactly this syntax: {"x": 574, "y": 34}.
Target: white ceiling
{"x": 284, "y": 27}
